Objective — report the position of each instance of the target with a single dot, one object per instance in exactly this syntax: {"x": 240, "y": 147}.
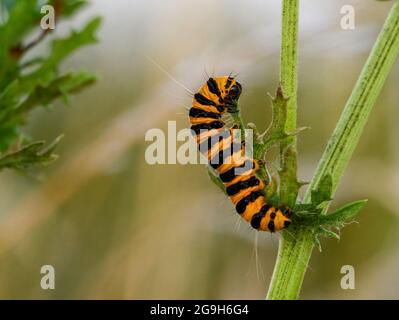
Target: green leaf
{"x": 342, "y": 215}
{"x": 29, "y": 83}
{"x": 276, "y": 131}
{"x": 24, "y": 16}
{"x": 336, "y": 219}
{"x": 60, "y": 50}
{"x": 306, "y": 208}
{"x": 13, "y": 115}
{"x": 70, "y": 7}
{"x": 60, "y": 87}
{"x": 32, "y": 154}
{"x": 323, "y": 192}
{"x": 8, "y": 136}
{"x": 289, "y": 185}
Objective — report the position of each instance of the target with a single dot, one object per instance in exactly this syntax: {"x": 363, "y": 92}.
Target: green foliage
{"x": 28, "y": 82}
{"x": 277, "y": 133}
{"x": 33, "y": 153}
{"x": 335, "y": 220}
{"x": 323, "y": 192}
{"x": 340, "y": 216}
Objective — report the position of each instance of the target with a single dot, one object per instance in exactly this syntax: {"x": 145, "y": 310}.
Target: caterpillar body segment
{"x": 227, "y": 156}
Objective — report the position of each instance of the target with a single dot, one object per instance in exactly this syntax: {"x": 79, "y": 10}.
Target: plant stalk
{"x": 295, "y": 249}
{"x": 289, "y": 85}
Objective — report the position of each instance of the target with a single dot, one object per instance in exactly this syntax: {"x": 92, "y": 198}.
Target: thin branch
{"x": 19, "y": 50}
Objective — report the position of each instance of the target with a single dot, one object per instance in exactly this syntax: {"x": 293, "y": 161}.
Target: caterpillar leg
{"x": 258, "y": 165}
{"x": 260, "y": 162}
{"x": 232, "y": 108}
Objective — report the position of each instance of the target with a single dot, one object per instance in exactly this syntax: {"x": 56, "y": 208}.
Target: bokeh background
{"x": 114, "y": 226}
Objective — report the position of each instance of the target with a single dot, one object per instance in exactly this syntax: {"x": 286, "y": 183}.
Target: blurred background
{"x": 114, "y": 226}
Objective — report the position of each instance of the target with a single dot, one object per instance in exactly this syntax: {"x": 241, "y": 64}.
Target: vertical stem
{"x": 288, "y": 63}
{"x": 289, "y": 83}
{"x": 294, "y": 252}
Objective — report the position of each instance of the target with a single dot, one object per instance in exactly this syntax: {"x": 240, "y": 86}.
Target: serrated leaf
{"x": 60, "y": 50}
{"x": 276, "y": 131}
{"x": 12, "y": 116}
{"x": 323, "y": 191}
{"x": 342, "y": 215}
{"x": 26, "y": 84}
{"x": 62, "y": 86}
{"x": 289, "y": 184}
{"x": 35, "y": 153}
{"x": 23, "y": 18}
{"x": 337, "y": 219}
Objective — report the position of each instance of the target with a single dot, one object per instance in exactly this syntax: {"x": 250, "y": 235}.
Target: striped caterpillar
{"x": 245, "y": 189}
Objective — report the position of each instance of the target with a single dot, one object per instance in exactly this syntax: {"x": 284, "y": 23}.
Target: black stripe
{"x": 198, "y": 113}
{"x": 207, "y": 126}
{"x": 256, "y": 220}
{"x": 265, "y": 208}
{"x": 286, "y": 212}
{"x": 242, "y": 185}
{"x": 211, "y": 141}
{"x": 242, "y": 204}
{"x": 213, "y": 86}
{"x": 229, "y": 175}
{"x": 222, "y": 155}
{"x": 202, "y": 100}
{"x": 270, "y": 226}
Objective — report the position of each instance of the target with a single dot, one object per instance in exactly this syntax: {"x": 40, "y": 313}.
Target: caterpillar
{"x": 245, "y": 189}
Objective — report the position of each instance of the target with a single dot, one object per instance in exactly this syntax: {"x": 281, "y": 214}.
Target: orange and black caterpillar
{"x": 215, "y": 97}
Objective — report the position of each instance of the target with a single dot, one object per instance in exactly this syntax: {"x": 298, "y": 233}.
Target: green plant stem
{"x": 295, "y": 250}
{"x": 289, "y": 85}
{"x": 288, "y": 63}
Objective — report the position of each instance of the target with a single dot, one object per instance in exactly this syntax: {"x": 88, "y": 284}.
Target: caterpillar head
{"x": 230, "y": 92}
{"x": 232, "y": 89}
{"x": 226, "y": 88}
